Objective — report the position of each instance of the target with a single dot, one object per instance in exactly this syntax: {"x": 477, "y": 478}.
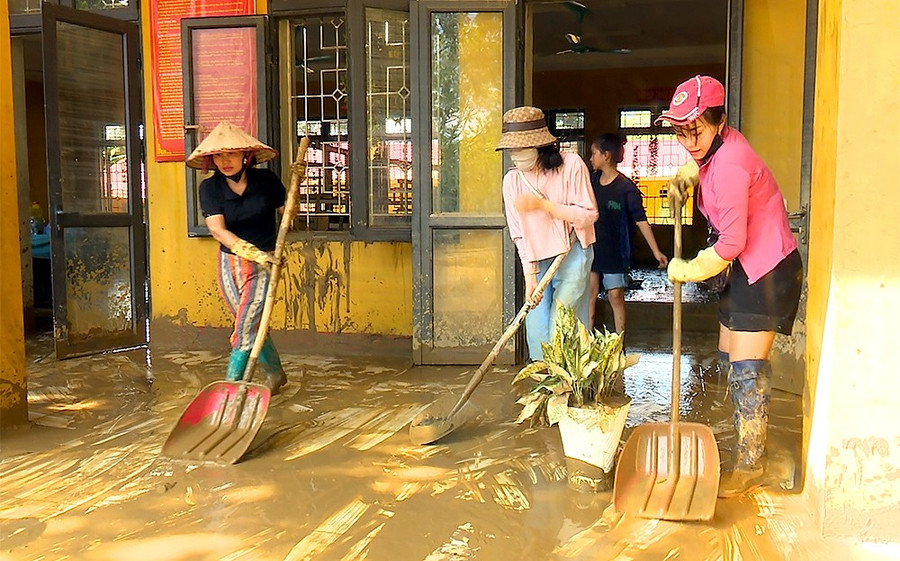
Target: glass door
{"x": 92, "y": 93}
{"x": 463, "y": 78}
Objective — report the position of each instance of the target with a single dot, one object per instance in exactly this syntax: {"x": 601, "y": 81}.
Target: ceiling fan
{"x": 576, "y": 45}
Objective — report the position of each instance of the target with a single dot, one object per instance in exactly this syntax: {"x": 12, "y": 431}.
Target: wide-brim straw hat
{"x": 226, "y": 137}
{"x": 525, "y": 127}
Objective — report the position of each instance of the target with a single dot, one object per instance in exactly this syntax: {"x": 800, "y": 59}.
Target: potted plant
{"x": 573, "y": 386}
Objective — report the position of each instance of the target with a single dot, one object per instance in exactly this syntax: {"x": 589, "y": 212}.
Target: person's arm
{"x": 238, "y": 246}
{"x": 634, "y": 205}
{"x": 516, "y": 232}
{"x": 581, "y": 210}
{"x": 647, "y": 232}
{"x": 732, "y": 199}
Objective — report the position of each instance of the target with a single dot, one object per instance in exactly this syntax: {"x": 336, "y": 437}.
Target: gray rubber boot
{"x": 723, "y": 366}
{"x": 750, "y": 383}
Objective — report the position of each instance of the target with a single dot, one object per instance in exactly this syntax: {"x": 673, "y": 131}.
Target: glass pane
{"x": 650, "y": 160}
{"x": 388, "y": 124}
{"x": 319, "y": 98}
{"x": 569, "y": 120}
{"x": 98, "y": 283}
{"x": 18, "y": 7}
{"x": 100, "y": 4}
{"x": 224, "y": 78}
{"x": 92, "y": 125}
{"x": 468, "y": 287}
{"x": 467, "y": 112}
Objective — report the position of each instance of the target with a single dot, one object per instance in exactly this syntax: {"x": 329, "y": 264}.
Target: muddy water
{"x": 333, "y": 475}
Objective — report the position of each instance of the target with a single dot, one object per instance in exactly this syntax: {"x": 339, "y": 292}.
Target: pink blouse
{"x": 536, "y": 233}
{"x": 739, "y": 196}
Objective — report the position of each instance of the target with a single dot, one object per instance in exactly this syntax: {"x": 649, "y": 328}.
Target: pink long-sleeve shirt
{"x": 536, "y": 233}
{"x": 739, "y": 196}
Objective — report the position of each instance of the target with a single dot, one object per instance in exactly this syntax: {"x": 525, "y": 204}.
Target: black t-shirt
{"x": 250, "y": 216}
{"x": 620, "y": 206}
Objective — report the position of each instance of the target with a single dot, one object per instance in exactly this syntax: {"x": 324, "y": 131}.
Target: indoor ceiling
{"x": 654, "y": 32}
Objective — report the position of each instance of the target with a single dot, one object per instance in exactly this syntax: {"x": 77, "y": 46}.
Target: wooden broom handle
{"x": 290, "y": 210}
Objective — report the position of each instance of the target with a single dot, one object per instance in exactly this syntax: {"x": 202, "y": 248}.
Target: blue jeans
{"x": 569, "y": 287}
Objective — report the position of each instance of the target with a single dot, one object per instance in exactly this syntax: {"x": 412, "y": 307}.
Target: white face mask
{"x": 524, "y": 159}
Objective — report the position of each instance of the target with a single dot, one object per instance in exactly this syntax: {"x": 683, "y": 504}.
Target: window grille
{"x": 568, "y": 126}
{"x": 389, "y": 122}
{"x": 319, "y": 100}
{"x": 652, "y": 156}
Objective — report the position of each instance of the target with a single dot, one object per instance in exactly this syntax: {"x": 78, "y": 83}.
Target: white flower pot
{"x": 591, "y": 434}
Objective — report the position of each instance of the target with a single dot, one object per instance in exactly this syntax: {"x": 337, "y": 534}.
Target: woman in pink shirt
{"x": 745, "y": 208}
{"x": 547, "y": 195}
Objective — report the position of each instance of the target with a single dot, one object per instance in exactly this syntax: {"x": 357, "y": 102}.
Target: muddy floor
{"x": 333, "y": 475}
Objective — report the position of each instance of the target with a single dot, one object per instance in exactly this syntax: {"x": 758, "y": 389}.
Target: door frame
{"x": 423, "y": 221}
{"x": 59, "y": 219}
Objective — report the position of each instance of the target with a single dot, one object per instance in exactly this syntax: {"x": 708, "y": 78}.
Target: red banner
{"x": 165, "y": 43}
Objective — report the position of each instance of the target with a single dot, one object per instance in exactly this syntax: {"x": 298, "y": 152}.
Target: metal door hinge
{"x": 799, "y": 221}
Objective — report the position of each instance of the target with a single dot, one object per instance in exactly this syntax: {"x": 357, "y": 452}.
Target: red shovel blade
{"x": 220, "y": 423}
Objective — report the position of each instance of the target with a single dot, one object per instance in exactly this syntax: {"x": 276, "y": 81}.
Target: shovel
{"x": 444, "y": 415}
{"x": 220, "y": 423}
{"x": 669, "y": 471}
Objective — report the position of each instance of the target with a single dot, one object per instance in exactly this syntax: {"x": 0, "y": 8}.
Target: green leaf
{"x": 561, "y": 388}
{"x": 560, "y": 372}
{"x": 556, "y": 408}
{"x": 530, "y": 370}
{"x": 530, "y": 398}
{"x": 530, "y": 408}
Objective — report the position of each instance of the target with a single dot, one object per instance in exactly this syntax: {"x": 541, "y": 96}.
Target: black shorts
{"x": 769, "y": 304}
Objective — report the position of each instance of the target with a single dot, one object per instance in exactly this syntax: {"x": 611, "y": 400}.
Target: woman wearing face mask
{"x": 622, "y": 209}
{"x": 239, "y": 202}
{"x": 546, "y": 196}
{"x": 739, "y": 196}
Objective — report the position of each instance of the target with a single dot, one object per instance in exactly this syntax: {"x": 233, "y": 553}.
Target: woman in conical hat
{"x": 239, "y": 203}
{"x": 547, "y": 195}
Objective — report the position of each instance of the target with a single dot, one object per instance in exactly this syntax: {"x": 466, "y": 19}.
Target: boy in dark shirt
{"x": 621, "y": 208}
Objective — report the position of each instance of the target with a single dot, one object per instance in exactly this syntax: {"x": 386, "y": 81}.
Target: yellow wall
{"x": 854, "y": 300}
{"x": 330, "y": 286}
{"x": 772, "y": 87}
{"x": 13, "y": 402}
{"x": 822, "y": 212}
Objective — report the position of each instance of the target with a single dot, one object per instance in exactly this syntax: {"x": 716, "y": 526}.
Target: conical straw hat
{"x": 226, "y": 137}
{"x": 525, "y": 127}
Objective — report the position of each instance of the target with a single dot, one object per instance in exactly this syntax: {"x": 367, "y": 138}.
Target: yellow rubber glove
{"x": 707, "y": 264}
{"x": 245, "y": 249}
{"x": 687, "y": 176}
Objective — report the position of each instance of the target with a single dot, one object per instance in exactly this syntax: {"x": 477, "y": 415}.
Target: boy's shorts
{"x": 614, "y": 280}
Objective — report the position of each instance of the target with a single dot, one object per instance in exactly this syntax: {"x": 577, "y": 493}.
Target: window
{"x": 568, "y": 126}
{"x": 319, "y": 95}
{"x": 389, "y": 122}
{"x": 320, "y": 90}
{"x": 652, "y": 156}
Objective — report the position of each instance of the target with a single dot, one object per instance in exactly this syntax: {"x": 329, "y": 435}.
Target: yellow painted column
{"x": 13, "y": 396}
{"x": 853, "y": 467}
{"x": 772, "y": 87}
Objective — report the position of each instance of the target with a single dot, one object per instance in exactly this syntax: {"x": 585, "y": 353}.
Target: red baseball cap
{"x": 693, "y": 97}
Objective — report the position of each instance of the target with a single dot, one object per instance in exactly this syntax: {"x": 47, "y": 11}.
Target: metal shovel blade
{"x": 220, "y": 423}
{"x": 668, "y": 471}
{"x": 435, "y": 422}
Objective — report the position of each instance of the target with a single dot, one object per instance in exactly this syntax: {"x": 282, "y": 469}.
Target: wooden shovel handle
{"x": 676, "y": 325}
{"x": 290, "y": 210}
{"x": 513, "y": 327}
